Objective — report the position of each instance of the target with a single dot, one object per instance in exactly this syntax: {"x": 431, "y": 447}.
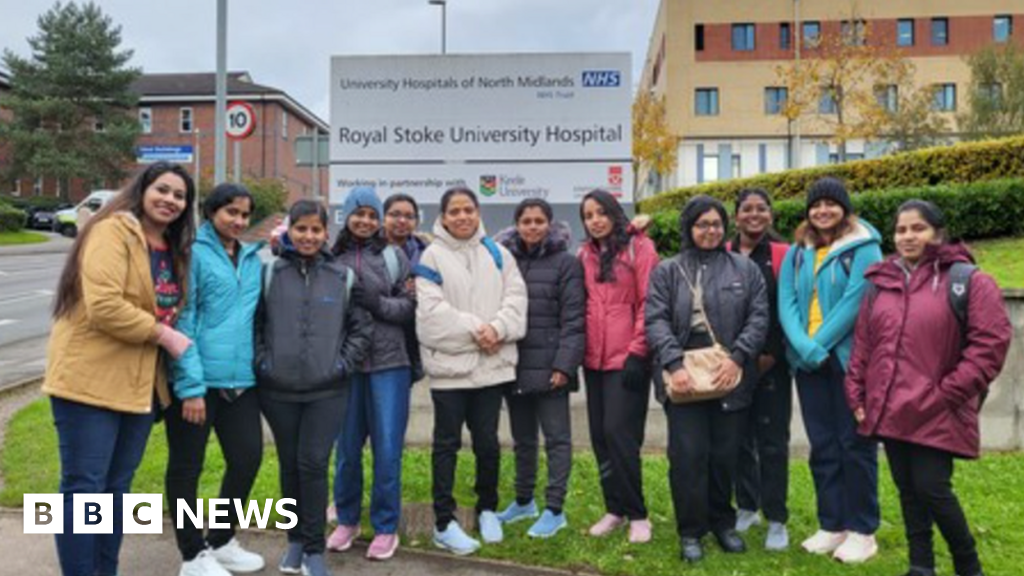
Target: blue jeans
{"x": 378, "y": 408}
{"x": 99, "y": 452}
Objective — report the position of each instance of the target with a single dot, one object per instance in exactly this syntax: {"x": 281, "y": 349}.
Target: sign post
{"x": 241, "y": 121}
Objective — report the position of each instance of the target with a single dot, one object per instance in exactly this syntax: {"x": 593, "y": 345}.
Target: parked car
{"x": 65, "y": 222}
{"x": 42, "y": 218}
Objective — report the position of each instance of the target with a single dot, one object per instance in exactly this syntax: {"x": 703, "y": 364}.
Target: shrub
{"x": 981, "y": 210}
{"x": 962, "y": 163}
{"x": 46, "y": 202}
{"x": 11, "y": 219}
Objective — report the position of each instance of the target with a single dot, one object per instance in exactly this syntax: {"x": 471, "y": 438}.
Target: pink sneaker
{"x": 342, "y": 538}
{"x": 606, "y": 525}
{"x": 640, "y": 531}
{"x": 382, "y": 547}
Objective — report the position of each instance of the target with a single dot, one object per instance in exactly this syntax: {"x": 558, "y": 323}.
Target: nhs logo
{"x": 601, "y": 78}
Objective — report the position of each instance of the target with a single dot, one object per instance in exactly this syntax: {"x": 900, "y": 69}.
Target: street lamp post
{"x": 444, "y": 22}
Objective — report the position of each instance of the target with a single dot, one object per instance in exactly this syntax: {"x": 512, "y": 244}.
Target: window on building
{"x": 944, "y": 97}
{"x": 854, "y": 33}
{"x": 185, "y": 120}
{"x": 991, "y": 93}
{"x": 905, "y": 32}
{"x": 833, "y": 157}
{"x": 698, "y": 37}
{"x": 775, "y": 99}
{"x": 37, "y": 186}
{"x": 146, "y": 120}
{"x": 827, "y": 103}
{"x": 940, "y": 31}
{"x": 811, "y": 33}
{"x": 17, "y": 187}
{"x": 1002, "y": 28}
{"x": 785, "y": 36}
{"x": 284, "y": 124}
{"x": 743, "y": 37}
{"x": 98, "y": 125}
{"x": 736, "y": 166}
{"x": 707, "y": 102}
{"x": 710, "y": 164}
{"x": 888, "y": 97}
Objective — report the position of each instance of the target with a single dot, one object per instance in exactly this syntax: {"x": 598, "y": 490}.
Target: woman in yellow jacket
{"x": 114, "y": 312}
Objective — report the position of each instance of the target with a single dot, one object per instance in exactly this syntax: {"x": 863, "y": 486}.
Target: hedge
{"x": 961, "y": 163}
{"x": 986, "y": 209}
{"x": 47, "y": 202}
{"x": 11, "y": 219}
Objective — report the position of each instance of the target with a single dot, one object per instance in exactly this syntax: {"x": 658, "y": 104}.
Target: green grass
{"x": 1003, "y": 258}
{"x": 21, "y": 237}
{"x": 991, "y": 490}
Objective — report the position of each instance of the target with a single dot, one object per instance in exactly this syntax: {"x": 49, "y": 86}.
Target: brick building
{"x": 176, "y": 115}
{"x": 715, "y": 64}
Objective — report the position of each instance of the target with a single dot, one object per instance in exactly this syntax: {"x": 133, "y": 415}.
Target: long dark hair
{"x": 224, "y": 194}
{"x": 617, "y": 240}
{"x": 179, "y": 234}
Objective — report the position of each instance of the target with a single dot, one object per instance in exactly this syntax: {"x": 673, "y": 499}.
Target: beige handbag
{"x": 700, "y": 364}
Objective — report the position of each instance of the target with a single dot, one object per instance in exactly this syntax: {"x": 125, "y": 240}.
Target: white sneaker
{"x": 857, "y": 548}
{"x": 203, "y": 565}
{"x": 745, "y": 519}
{"x": 824, "y": 542}
{"x": 234, "y": 558}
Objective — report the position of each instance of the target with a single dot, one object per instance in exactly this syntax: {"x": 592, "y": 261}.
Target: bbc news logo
{"x": 601, "y": 78}
{"x": 143, "y": 513}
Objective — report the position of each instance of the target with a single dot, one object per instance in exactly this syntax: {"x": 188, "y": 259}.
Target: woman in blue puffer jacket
{"x": 214, "y": 379}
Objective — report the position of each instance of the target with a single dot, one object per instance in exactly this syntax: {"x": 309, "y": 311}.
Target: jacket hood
{"x": 862, "y": 233}
{"x": 442, "y": 235}
{"x": 557, "y": 240}
{"x": 892, "y": 271}
{"x": 694, "y": 209}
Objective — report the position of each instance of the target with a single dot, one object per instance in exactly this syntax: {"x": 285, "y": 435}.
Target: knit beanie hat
{"x": 832, "y": 189}
{"x": 359, "y": 197}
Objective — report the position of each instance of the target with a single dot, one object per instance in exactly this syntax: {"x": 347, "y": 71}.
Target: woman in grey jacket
{"x": 702, "y": 294}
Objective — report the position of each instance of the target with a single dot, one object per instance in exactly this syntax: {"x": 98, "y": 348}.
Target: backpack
{"x": 435, "y": 276}
{"x": 268, "y": 277}
{"x": 845, "y": 260}
{"x": 391, "y": 263}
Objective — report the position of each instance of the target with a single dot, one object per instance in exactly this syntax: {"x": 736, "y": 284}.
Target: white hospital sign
{"x": 509, "y": 127}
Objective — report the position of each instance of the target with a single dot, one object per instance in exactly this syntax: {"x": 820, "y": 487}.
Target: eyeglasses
{"x": 705, "y": 226}
{"x": 401, "y": 215}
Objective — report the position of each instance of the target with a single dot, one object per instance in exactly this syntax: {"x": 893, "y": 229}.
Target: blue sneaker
{"x": 515, "y": 512}
{"x": 291, "y": 561}
{"x": 548, "y": 525}
{"x": 490, "y": 527}
{"x": 314, "y": 565}
{"x": 454, "y": 540}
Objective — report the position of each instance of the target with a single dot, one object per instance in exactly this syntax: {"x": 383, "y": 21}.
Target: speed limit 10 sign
{"x": 241, "y": 120}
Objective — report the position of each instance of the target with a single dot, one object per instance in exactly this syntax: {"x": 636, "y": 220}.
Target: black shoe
{"x": 730, "y": 541}
{"x": 918, "y": 571}
{"x": 691, "y": 551}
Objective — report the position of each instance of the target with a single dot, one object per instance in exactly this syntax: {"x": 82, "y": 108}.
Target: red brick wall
{"x": 966, "y": 34}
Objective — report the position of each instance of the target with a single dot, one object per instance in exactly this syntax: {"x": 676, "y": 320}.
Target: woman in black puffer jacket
{"x": 549, "y": 359}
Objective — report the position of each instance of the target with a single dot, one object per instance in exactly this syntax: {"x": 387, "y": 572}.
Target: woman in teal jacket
{"x": 820, "y": 288}
{"x": 214, "y": 379}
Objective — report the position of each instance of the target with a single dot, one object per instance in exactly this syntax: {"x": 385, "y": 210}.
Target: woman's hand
{"x": 558, "y": 379}
{"x": 859, "y": 415}
{"x": 726, "y": 374}
{"x": 174, "y": 342}
{"x": 487, "y": 339}
{"x": 765, "y": 362}
{"x": 680, "y": 383}
{"x": 193, "y": 411}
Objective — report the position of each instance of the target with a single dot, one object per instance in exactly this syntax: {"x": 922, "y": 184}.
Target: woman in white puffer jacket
{"x": 471, "y": 311}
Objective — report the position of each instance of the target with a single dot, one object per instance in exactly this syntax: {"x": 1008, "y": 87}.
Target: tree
{"x": 913, "y": 123}
{"x": 846, "y": 84}
{"x": 996, "y": 94}
{"x": 71, "y": 100}
{"x": 655, "y": 148}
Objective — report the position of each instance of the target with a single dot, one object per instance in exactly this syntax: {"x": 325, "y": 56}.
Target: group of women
{"x": 155, "y": 319}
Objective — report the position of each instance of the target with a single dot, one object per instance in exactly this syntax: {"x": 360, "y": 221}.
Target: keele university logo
{"x": 143, "y": 513}
{"x": 489, "y": 185}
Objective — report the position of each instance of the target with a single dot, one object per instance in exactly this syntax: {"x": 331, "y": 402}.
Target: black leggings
{"x": 304, "y": 433}
{"x": 240, "y": 435}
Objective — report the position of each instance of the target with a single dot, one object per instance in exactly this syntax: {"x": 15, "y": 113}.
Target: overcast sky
{"x": 288, "y": 44}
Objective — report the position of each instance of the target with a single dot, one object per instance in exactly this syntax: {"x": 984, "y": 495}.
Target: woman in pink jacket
{"x": 617, "y": 263}
{"x": 931, "y": 336}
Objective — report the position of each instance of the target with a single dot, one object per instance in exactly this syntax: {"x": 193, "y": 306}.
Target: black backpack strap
{"x": 960, "y": 291}
{"x": 846, "y": 261}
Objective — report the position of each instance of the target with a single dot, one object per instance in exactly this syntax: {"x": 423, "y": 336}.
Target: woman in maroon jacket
{"x": 919, "y": 372}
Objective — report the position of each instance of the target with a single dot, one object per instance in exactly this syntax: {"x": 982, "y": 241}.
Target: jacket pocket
{"x": 442, "y": 365}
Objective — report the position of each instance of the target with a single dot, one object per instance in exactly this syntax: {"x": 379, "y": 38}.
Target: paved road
{"x": 157, "y": 555}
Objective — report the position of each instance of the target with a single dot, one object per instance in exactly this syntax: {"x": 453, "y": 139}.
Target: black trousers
{"x": 304, "y": 433}
{"x": 240, "y": 434}
{"x": 549, "y": 412}
{"x": 478, "y": 409}
{"x": 617, "y": 417}
{"x": 703, "y": 441}
{"x": 762, "y": 472}
{"x": 923, "y": 477}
